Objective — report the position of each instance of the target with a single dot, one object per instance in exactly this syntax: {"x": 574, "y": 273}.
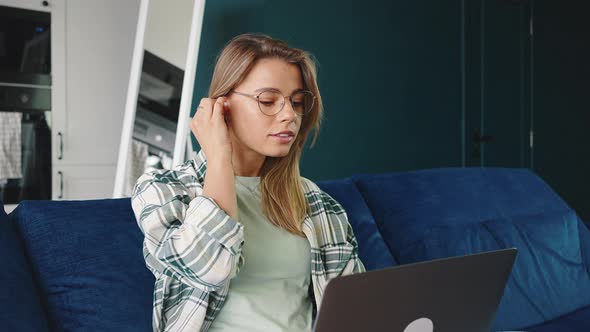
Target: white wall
{"x": 167, "y": 30}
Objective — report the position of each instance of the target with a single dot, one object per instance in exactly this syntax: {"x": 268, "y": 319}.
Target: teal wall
{"x": 389, "y": 75}
{"x": 429, "y": 83}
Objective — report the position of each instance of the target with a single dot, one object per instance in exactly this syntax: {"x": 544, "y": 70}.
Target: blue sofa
{"x": 78, "y": 265}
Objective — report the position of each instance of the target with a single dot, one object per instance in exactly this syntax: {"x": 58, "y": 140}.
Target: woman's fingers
{"x": 206, "y": 104}
{"x": 210, "y": 128}
{"x": 218, "y": 110}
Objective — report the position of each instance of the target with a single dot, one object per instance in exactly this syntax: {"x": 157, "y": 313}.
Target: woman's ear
{"x": 226, "y": 112}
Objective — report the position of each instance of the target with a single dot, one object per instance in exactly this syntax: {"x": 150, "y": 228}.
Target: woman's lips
{"x": 283, "y": 140}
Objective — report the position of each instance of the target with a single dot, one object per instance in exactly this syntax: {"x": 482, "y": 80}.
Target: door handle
{"x": 478, "y": 138}
{"x": 61, "y": 184}
{"x": 61, "y": 146}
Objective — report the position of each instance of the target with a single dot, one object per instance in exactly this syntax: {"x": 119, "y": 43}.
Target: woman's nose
{"x": 289, "y": 109}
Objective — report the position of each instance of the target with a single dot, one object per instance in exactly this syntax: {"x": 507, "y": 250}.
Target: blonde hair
{"x": 283, "y": 197}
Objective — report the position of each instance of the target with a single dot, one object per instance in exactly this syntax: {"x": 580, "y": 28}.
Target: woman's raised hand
{"x": 212, "y": 132}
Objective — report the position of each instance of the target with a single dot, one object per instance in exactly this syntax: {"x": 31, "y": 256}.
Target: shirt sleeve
{"x": 346, "y": 252}
{"x": 186, "y": 234}
{"x": 354, "y": 264}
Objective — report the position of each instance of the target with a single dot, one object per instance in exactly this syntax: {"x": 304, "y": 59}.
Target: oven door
{"x": 25, "y": 104}
{"x": 25, "y": 59}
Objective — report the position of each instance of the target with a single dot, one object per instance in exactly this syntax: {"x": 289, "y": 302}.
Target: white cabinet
{"x": 92, "y": 45}
{"x": 75, "y": 182}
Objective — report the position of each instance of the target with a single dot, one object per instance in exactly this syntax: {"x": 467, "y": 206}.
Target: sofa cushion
{"x": 373, "y": 251}
{"x": 456, "y": 196}
{"x": 449, "y": 212}
{"x": 20, "y": 304}
{"x": 549, "y": 277}
{"x": 87, "y": 256}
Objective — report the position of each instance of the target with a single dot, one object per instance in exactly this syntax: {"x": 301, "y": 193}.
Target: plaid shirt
{"x": 193, "y": 247}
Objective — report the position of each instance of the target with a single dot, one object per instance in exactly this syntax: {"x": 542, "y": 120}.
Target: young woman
{"x": 237, "y": 239}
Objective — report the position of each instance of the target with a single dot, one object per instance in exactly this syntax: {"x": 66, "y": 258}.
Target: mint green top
{"x": 270, "y": 292}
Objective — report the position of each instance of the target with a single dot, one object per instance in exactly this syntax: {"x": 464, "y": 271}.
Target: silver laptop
{"x": 449, "y": 294}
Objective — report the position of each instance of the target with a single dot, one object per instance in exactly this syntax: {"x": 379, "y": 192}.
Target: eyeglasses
{"x": 271, "y": 102}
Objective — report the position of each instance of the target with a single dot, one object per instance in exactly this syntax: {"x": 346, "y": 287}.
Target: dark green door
{"x": 527, "y": 81}
{"x": 497, "y": 61}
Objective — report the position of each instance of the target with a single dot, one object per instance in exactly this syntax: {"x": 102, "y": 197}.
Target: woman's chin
{"x": 278, "y": 153}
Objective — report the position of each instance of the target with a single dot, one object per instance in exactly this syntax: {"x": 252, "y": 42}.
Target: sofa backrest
{"x": 373, "y": 250}
{"x": 454, "y": 196}
{"x": 88, "y": 261}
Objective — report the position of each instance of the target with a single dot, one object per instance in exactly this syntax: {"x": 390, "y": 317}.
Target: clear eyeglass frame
{"x": 257, "y": 98}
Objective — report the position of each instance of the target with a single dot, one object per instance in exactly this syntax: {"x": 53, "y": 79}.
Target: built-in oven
{"x": 25, "y": 104}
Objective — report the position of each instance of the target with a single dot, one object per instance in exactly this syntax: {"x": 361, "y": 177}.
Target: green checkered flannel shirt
{"x": 193, "y": 247}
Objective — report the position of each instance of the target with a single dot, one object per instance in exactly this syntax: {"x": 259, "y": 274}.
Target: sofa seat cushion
{"x": 20, "y": 304}
{"x": 87, "y": 256}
